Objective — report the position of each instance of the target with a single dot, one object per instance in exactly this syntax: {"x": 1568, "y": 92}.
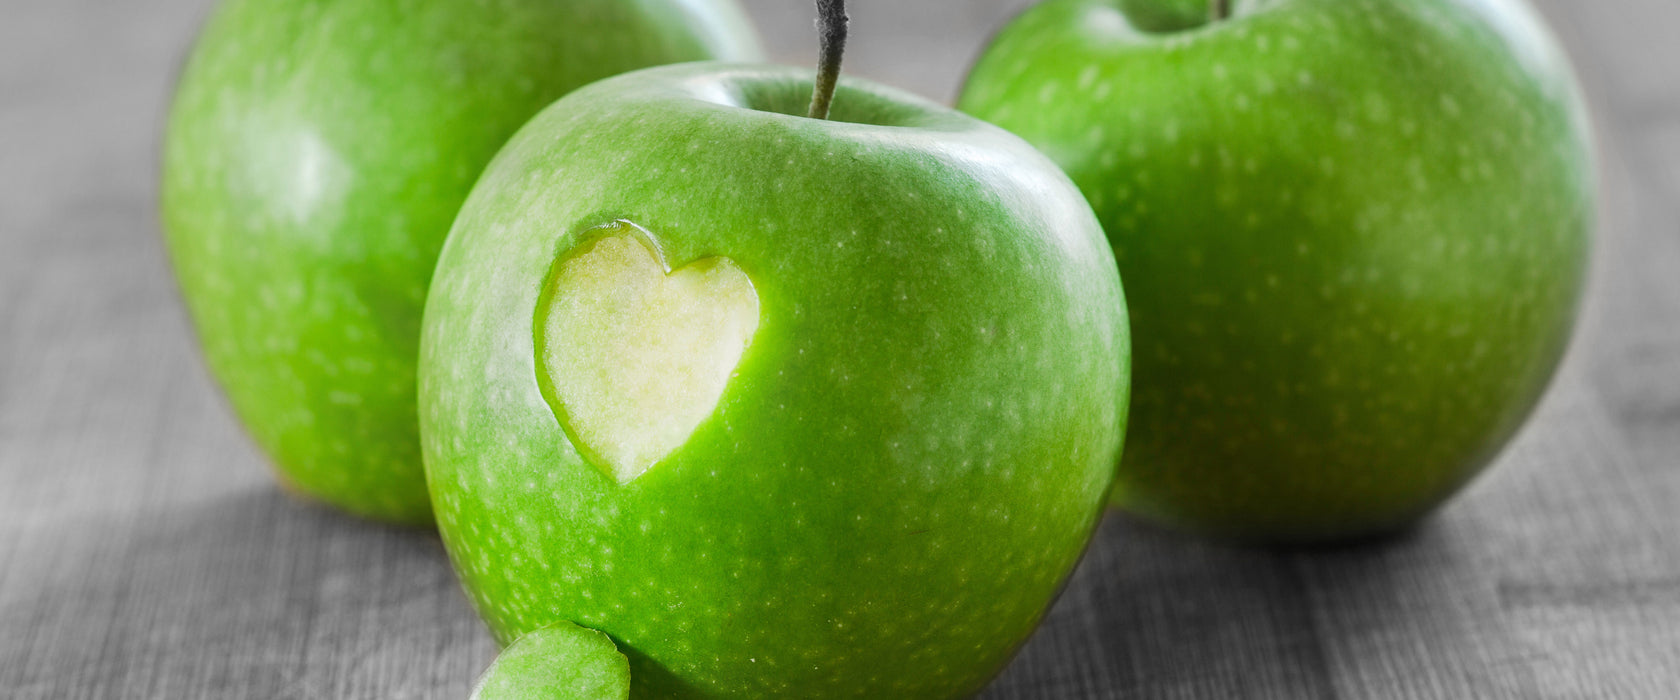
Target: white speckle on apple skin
{"x": 1088, "y": 77}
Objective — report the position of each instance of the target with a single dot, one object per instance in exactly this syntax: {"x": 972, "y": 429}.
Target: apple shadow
{"x": 1157, "y": 614}
{"x": 249, "y": 594}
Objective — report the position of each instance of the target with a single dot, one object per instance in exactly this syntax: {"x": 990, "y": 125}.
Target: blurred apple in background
{"x": 1353, "y": 235}
{"x": 316, "y": 155}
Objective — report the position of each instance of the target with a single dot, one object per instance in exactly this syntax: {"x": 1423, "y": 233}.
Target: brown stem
{"x": 831, "y": 33}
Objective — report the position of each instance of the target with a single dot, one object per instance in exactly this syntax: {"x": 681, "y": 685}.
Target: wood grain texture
{"x": 145, "y": 553}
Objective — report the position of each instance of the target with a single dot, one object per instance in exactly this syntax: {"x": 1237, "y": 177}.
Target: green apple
{"x": 788, "y": 407}
{"x": 559, "y": 662}
{"x": 316, "y": 155}
{"x": 1353, "y": 235}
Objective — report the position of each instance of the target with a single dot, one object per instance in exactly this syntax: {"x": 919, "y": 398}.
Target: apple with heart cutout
{"x": 1353, "y": 235}
{"x": 316, "y": 155}
{"x": 786, "y": 406}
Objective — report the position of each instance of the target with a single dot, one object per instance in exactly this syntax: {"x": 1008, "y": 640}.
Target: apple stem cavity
{"x": 1219, "y": 9}
{"x": 831, "y": 33}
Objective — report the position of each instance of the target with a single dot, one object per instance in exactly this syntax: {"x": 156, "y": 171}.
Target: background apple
{"x": 1353, "y": 236}
{"x": 788, "y": 407}
{"x": 316, "y": 155}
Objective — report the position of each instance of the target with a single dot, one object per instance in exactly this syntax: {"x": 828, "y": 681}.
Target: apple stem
{"x": 1219, "y": 9}
{"x": 831, "y": 32}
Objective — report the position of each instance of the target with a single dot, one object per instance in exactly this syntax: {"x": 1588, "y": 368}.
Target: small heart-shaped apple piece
{"x": 559, "y": 662}
{"x": 635, "y": 355}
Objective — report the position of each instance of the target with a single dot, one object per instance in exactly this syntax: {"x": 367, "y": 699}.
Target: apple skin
{"x": 559, "y": 662}
{"x": 1353, "y": 236}
{"x": 912, "y": 452}
{"x": 316, "y": 155}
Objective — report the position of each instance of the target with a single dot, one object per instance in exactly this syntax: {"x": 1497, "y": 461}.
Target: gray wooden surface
{"x": 145, "y": 553}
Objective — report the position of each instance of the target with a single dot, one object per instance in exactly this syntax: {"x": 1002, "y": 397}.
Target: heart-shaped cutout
{"x": 636, "y": 356}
